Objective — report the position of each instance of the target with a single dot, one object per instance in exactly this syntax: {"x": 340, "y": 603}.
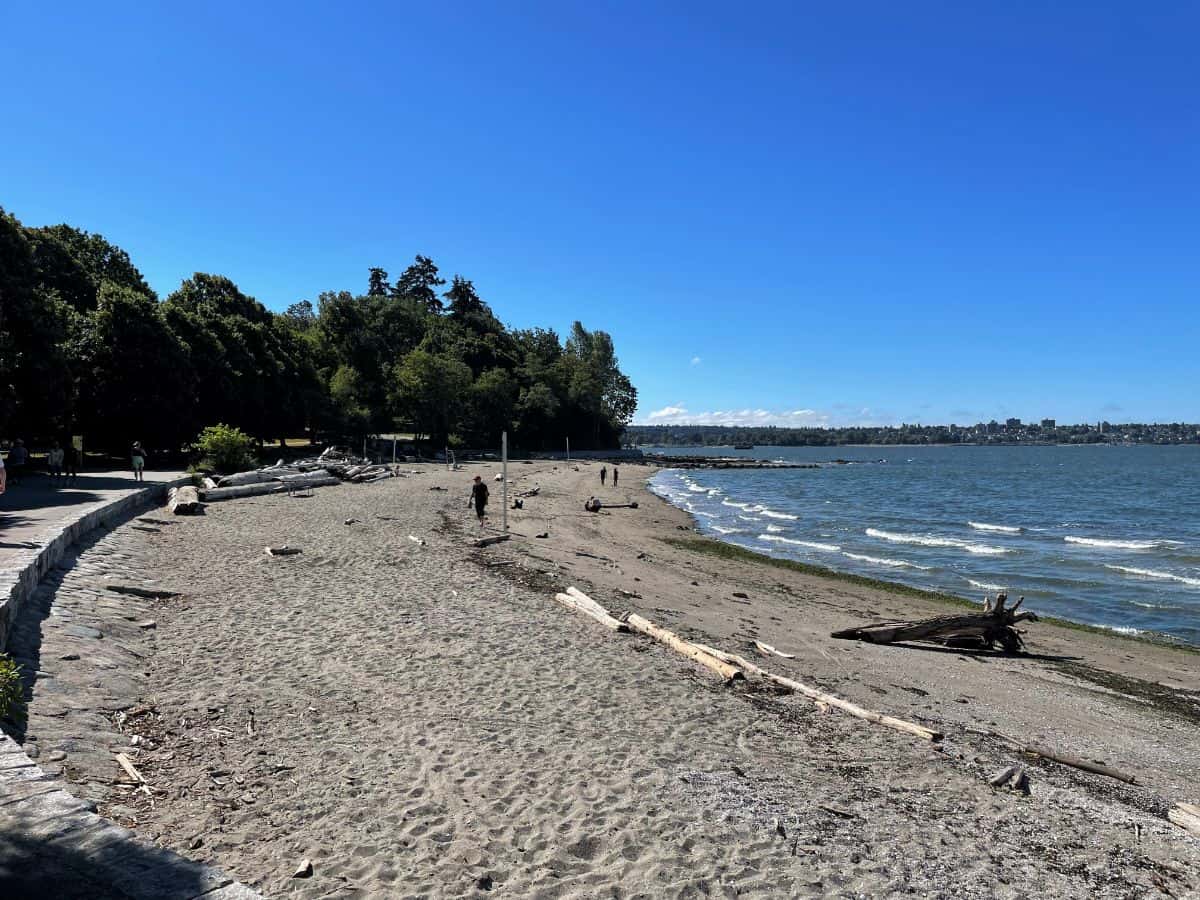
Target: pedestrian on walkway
{"x": 72, "y": 464}
{"x": 138, "y": 456}
{"x": 603, "y": 474}
{"x": 17, "y": 457}
{"x": 616, "y": 474}
{"x": 54, "y": 461}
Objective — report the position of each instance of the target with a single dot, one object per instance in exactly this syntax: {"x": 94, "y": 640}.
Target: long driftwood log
{"x": 823, "y": 697}
{"x": 995, "y": 625}
{"x": 694, "y": 652}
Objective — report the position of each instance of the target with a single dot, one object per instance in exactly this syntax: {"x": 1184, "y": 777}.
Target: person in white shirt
{"x": 54, "y": 460}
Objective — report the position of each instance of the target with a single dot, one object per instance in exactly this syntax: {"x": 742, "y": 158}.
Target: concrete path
{"x": 36, "y": 509}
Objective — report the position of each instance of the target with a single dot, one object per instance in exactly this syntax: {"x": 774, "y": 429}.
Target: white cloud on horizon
{"x": 680, "y": 415}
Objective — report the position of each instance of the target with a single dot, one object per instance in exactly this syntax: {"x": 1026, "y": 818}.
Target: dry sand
{"x": 418, "y": 721}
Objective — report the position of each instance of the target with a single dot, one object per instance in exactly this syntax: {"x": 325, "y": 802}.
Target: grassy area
{"x": 722, "y": 550}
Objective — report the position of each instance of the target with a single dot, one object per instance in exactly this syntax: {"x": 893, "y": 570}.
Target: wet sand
{"x": 424, "y": 720}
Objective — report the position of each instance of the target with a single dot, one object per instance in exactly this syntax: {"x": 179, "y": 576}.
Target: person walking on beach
{"x": 54, "y": 461}
{"x": 138, "y": 456}
{"x": 479, "y": 498}
{"x": 603, "y": 474}
{"x": 17, "y": 457}
{"x": 616, "y": 474}
{"x": 3, "y": 476}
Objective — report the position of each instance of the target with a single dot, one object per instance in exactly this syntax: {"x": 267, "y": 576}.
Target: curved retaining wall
{"x": 19, "y": 578}
{"x": 45, "y": 828}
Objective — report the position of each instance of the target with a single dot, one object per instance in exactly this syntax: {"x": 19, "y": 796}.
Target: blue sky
{"x": 869, "y": 212}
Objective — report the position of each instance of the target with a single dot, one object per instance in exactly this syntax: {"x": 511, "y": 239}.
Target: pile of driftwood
{"x": 333, "y": 466}
{"x": 995, "y": 625}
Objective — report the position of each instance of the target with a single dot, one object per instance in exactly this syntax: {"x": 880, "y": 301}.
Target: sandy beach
{"x": 420, "y": 718}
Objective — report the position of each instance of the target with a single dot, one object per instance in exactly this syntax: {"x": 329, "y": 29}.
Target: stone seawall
{"x": 21, "y": 575}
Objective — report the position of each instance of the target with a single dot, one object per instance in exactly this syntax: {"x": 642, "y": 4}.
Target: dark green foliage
{"x": 12, "y": 696}
{"x": 86, "y": 347}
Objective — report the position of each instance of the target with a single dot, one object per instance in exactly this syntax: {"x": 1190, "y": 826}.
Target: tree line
{"x": 87, "y": 347}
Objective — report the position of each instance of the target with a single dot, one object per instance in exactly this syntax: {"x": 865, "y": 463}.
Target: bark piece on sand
{"x": 995, "y": 625}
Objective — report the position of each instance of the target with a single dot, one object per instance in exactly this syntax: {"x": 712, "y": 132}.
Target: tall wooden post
{"x": 504, "y": 476}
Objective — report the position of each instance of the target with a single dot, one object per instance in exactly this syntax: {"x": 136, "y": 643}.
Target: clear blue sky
{"x": 868, "y": 211}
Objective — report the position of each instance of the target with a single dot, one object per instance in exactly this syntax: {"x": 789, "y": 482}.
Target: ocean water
{"x": 1104, "y": 535}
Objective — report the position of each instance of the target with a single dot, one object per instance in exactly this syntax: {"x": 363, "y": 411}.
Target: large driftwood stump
{"x": 995, "y": 625}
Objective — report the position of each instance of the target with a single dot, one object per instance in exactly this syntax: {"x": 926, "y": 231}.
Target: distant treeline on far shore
{"x": 88, "y": 348}
{"x": 1011, "y": 432}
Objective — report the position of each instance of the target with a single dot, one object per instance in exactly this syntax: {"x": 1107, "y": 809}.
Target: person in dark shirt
{"x": 616, "y": 475}
{"x": 603, "y": 474}
{"x": 479, "y": 498}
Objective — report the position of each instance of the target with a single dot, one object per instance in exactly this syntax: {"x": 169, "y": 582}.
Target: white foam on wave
{"x": 1124, "y": 629}
{"x": 1114, "y": 544}
{"x": 984, "y": 586}
{"x": 893, "y": 563}
{"x": 721, "y": 530}
{"x": 775, "y": 528}
{"x": 734, "y": 503}
{"x": 1006, "y": 529}
{"x": 771, "y": 514}
{"x": 812, "y": 545}
{"x": 925, "y": 540}
{"x": 697, "y": 488}
{"x": 1153, "y": 573}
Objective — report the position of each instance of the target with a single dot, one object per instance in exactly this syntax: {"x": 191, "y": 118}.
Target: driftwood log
{"x": 995, "y": 625}
{"x": 580, "y": 602}
{"x": 825, "y": 699}
{"x": 693, "y": 652}
{"x": 183, "y": 501}
{"x": 1186, "y": 816}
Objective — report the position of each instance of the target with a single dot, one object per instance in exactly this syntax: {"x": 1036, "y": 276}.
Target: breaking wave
{"x": 1113, "y": 544}
{"x": 925, "y": 540}
{"x": 1152, "y": 573}
{"x": 1006, "y": 529}
{"x": 984, "y": 586}
{"x": 812, "y": 545}
{"x": 893, "y": 563}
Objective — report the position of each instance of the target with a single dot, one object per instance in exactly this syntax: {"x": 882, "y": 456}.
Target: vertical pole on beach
{"x": 504, "y": 475}
{"x": 568, "y": 451}
{"x": 393, "y": 449}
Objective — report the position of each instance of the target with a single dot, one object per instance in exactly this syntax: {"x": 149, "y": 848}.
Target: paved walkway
{"x": 32, "y": 511}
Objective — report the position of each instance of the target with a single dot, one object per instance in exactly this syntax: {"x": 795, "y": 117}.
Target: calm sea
{"x": 1105, "y": 535}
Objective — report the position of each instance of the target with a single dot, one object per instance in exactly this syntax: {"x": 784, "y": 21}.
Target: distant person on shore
{"x": 479, "y": 499}
{"x": 3, "y": 476}
{"x": 54, "y": 461}
{"x": 616, "y": 474}
{"x": 603, "y": 475}
{"x": 17, "y": 457}
{"x": 138, "y": 456}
